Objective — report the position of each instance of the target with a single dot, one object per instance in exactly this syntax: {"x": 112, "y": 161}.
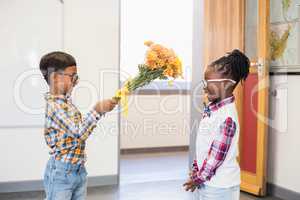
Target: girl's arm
{"x": 217, "y": 153}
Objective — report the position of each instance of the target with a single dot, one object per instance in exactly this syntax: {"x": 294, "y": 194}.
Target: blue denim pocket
{"x": 61, "y": 176}
{"x": 84, "y": 172}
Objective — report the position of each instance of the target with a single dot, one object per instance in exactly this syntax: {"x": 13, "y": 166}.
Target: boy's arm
{"x": 81, "y": 131}
{"x": 217, "y": 153}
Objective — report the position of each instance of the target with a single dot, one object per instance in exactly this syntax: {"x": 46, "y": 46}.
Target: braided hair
{"x": 233, "y": 65}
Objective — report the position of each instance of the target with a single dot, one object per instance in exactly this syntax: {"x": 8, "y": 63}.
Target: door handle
{"x": 260, "y": 65}
{"x": 256, "y": 64}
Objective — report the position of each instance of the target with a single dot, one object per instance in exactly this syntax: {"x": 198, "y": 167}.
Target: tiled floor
{"x": 143, "y": 177}
{"x": 152, "y": 167}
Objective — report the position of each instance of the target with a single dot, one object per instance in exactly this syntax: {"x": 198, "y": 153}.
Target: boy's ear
{"x": 52, "y": 77}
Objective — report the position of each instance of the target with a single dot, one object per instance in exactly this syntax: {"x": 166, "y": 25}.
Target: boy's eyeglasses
{"x": 74, "y": 77}
{"x": 205, "y": 82}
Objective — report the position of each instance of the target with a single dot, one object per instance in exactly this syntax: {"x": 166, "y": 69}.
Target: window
{"x": 167, "y": 22}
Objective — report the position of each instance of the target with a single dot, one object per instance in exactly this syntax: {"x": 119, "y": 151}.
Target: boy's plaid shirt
{"x": 219, "y": 147}
{"x": 65, "y": 130}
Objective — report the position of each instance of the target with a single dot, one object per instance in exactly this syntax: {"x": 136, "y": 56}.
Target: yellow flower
{"x": 122, "y": 95}
{"x": 170, "y": 82}
{"x": 122, "y": 92}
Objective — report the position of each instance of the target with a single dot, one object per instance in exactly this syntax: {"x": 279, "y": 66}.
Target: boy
{"x": 218, "y": 178}
{"x": 66, "y": 132}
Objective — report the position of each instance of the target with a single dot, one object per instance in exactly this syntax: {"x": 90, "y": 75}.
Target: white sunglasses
{"x": 205, "y": 82}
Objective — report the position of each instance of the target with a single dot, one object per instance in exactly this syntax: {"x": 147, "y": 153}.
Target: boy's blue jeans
{"x": 65, "y": 181}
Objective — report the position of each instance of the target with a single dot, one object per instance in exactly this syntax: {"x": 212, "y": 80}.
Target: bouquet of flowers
{"x": 160, "y": 63}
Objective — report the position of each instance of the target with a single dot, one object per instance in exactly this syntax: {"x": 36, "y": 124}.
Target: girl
{"x": 218, "y": 177}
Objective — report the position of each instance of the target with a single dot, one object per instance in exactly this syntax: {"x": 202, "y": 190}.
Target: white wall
{"x": 91, "y": 34}
{"x": 90, "y": 31}
{"x": 24, "y": 154}
{"x": 29, "y": 29}
{"x": 284, "y": 137}
{"x": 156, "y": 121}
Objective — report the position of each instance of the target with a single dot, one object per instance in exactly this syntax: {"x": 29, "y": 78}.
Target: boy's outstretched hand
{"x": 106, "y": 105}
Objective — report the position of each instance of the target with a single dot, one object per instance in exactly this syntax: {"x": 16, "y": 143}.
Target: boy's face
{"x": 64, "y": 81}
{"x": 215, "y": 91}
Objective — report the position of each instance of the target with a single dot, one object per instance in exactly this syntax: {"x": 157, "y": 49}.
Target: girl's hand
{"x": 190, "y": 185}
{"x": 191, "y": 175}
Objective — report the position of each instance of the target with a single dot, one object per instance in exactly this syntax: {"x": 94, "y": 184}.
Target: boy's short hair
{"x": 55, "y": 61}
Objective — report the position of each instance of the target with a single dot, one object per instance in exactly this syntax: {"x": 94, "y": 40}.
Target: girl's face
{"x": 218, "y": 90}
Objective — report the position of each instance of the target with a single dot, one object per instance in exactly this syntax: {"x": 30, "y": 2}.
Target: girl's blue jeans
{"x": 213, "y": 193}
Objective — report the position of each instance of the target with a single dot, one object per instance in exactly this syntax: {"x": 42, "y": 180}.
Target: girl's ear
{"x": 228, "y": 87}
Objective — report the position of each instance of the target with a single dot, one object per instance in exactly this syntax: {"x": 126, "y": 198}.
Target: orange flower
{"x": 169, "y": 71}
{"x": 157, "y": 47}
{"x": 151, "y": 55}
{"x": 159, "y": 56}
{"x": 151, "y": 59}
{"x": 148, "y": 43}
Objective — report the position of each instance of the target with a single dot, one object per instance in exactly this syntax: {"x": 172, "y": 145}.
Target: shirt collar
{"x": 49, "y": 96}
{"x": 220, "y": 104}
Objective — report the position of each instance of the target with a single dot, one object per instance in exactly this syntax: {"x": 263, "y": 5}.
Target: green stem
{"x": 143, "y": 79}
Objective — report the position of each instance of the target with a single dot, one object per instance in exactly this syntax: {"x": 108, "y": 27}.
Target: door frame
{"x": 257, "y": 183}
{"x": 197, "y": 70}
